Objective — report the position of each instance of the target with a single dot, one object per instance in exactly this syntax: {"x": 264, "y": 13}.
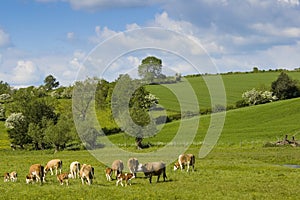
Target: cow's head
{"x": 176, "y": 166}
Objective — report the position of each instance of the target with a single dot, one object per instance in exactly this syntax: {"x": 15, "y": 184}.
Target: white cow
{"x": 74, "y": 169}
{"x": 133, "y": 165}
{"x": 117, "y": 166}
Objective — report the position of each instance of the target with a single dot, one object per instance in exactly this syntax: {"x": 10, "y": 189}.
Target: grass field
{"x": 227, "y": 173}
{"x": 239, "y": 167}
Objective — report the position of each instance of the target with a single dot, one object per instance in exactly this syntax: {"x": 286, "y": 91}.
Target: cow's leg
{"x": 180, "y": 164}
{"x": 158, "y": 178}
{"x": 188, "y": 167}
{"x": 82, "y": 181}
{"x": 51, "y": 171}
{"x": 150, "y": 178}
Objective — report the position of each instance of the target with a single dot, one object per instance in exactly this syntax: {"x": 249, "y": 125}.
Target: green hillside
{"x": 251, "y": 125}
{"x": 235, "y": 85}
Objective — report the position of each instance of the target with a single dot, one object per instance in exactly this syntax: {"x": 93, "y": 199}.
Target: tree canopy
{"x": 150, "y": 68}
{"x": 284, "y": 87}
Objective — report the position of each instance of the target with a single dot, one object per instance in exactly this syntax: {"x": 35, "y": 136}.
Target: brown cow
{"x": 117, "y": 166}
{"x": 63, "y": 177}
{"x": 53, "y": 164}
{"x": 126, "y": 177}
{"x": 13, "y": 176}
{"x": 36, "y": 173}
{"x": 154, "y": 169}
{"x": 185, "y": 159}
{"x": 108, "y": 173}
{"x": 87, "y": 173}
{"x": 6, "y": 177}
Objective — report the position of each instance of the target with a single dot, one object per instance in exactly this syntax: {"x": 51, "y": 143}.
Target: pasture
{"x": 249, "y": 172}
{"x": 239, "y": 167}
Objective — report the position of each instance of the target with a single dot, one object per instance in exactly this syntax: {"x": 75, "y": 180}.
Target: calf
{"x": 13, "y": 176}
{"x": 126, "y": 177}
{"x": 86, "y": 173}
{"x": 154, "y": 169}
{"x": 53, "y": 164}
{"x": 133, "y": 165}
{"x": 117, "y": 166}
{"x": 108, "y": 173}
{"x": 63, "y": 177}
{"x": 185, "y": 159}
{"x": 30, "y": 179}
{"x": 74, "y": 169}
{"x": 36, "y": 173}
{"x": 6, "y": 177}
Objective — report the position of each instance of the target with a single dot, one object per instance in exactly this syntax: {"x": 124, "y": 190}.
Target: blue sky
{"x": 43, "y": 37}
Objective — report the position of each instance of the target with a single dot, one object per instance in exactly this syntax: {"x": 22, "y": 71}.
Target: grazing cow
{"x": 63, "y": 177}
{"x": 6, "y": 177}
{"x": 154, "y": 169}
{"x": 86, "y": 173}
{"x": 117, "y": 166}
{"x": 53, "y": 164}
{"x": 74, "y": 169}
{"x": 108, "y": 173}
{"x": 36, "y": 173}
{"x": 126, "y": 177}
{"x": 13, "y": 176}
{"x": 185, "y": 159}
{"x": 133, "y": 165}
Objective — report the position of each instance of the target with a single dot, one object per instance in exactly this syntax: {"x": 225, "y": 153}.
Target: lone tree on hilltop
{"x": 50, "y": 82}
{"x": 284, "y": 87}
{"x": 150, "y": 68}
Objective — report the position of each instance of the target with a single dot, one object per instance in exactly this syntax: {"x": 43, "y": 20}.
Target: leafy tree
{"x": 17, "y": 125}
{"x": 284, "y": 87}
{"x": 50, "y": 82}
{"x": 150, "y": 68}
{"x": 4, "y": 88}
{"x": 103, "y": 94}
{"x": 255, "y": 97}
{"x": 59, "y": 134}
{"x": 130, "y": 103}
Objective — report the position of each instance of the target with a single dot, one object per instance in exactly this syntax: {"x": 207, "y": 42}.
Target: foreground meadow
{"x": 228, "y": 172}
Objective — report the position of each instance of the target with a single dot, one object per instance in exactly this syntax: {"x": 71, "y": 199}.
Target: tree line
{"x": 42, "y": 117}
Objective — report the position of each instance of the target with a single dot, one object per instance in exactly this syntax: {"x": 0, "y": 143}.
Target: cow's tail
{"x": 42, "y": 174}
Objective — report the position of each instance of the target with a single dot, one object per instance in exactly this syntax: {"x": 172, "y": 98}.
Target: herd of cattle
{"x": 85, "y": 172}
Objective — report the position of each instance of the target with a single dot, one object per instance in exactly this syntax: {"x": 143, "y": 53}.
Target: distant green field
{"x": 235, "y": 85}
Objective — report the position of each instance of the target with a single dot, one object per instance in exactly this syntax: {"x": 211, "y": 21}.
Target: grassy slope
{"x": 256, "y": 124}
{"x": 235, "y": 85}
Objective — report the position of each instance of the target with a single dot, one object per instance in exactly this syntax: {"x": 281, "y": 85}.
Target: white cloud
{"x": 4, "y": 38}
{"x": 290, "y": 2}
{"x": 102, "y": 34}
{"x": 24, "y": 73}
{"x": 70, "y": 35}
{"x": 272, "y": 30}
